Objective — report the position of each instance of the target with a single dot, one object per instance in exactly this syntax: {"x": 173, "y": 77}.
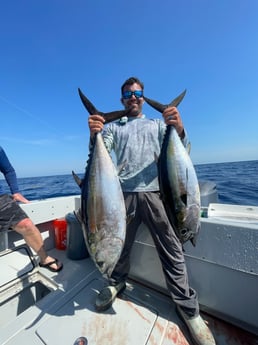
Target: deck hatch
{"x": 125, "y": 323}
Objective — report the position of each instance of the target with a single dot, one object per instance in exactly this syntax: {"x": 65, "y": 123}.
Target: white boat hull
{"x": 223, "y": 268}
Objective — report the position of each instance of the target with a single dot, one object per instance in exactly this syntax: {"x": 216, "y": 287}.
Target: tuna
{"x": 178, "y": 181}
{"x": 102, "y": 213}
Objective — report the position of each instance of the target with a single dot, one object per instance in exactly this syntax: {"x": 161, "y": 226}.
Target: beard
{"x": 135, "y": 110}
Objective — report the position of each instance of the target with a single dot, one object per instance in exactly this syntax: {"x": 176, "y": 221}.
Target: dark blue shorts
{"x": 10, "y": 212}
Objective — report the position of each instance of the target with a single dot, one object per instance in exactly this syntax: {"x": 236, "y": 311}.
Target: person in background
{"x": 136, "y": 140}
{"x": 13, "y": 217}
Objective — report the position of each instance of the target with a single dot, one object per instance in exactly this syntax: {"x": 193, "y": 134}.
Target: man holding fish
{"x": 136, "y": 142}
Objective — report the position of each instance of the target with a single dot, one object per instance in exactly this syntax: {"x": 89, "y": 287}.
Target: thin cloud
{"x": 36, "y": 142}
{"x": 29, "y": 114}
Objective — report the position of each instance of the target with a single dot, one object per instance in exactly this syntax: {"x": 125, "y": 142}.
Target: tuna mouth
{"x": 185, "y": 234}
{"x": 184, "y": 231}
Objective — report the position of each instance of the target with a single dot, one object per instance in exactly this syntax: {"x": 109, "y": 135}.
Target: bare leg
{"x": 33, "y": 238}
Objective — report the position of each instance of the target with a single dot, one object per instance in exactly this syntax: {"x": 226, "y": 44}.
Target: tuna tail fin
{"x": 109, "y": 117}
{"x": 177, "y": 100}
{"x": 87, "y": 103}
{"x": 161, "y": 107}
{"x": 115, "y": 115}
{"x": 156, "y": 105}
{"x": 77, "y": 179}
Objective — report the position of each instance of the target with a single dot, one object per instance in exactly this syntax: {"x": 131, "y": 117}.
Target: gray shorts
{"x": 10, "y": 212}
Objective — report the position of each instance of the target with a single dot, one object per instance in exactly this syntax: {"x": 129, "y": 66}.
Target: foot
{"x": 52, "y": 264}
{"x": 198, "y": 329}
{"x": 107, "y": 296}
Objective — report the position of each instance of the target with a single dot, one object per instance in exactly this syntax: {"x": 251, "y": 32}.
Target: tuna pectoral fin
{"x": 194, "y": 240}
{"x": 77, "y": 179}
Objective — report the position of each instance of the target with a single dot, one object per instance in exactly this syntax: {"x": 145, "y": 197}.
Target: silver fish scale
{"x": 179, "y": 185}
{"x": 105, "y": 209}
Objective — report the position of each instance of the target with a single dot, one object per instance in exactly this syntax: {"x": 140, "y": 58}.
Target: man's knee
{"x": 24, "y": 225}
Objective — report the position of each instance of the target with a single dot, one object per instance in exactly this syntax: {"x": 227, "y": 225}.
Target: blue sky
{"x": 50, "y": 48}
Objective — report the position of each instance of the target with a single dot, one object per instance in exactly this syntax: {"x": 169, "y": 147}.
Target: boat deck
{"x": 139, "y": 316}
{"x": 40, "y": 307}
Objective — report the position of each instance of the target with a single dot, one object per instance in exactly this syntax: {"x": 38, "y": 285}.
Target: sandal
{"x": 48, "y": 265}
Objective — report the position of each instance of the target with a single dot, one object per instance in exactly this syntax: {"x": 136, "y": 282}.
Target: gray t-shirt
{"x": 136, "y": 143}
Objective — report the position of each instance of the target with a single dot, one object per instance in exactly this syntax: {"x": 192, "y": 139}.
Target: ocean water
{"x": 237, "y": 183}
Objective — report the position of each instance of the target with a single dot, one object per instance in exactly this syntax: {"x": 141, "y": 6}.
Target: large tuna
{"x": 102, "y": 213}
{"x": 178, "y": 181}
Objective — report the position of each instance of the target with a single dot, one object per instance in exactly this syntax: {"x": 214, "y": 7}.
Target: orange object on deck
{"x": 60, "y": 226}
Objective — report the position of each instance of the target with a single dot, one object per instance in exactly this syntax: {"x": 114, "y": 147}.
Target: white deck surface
{"x": 139, "y": 316}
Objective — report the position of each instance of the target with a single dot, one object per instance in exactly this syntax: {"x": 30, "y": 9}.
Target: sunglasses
{"x": 129, "y": 94}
